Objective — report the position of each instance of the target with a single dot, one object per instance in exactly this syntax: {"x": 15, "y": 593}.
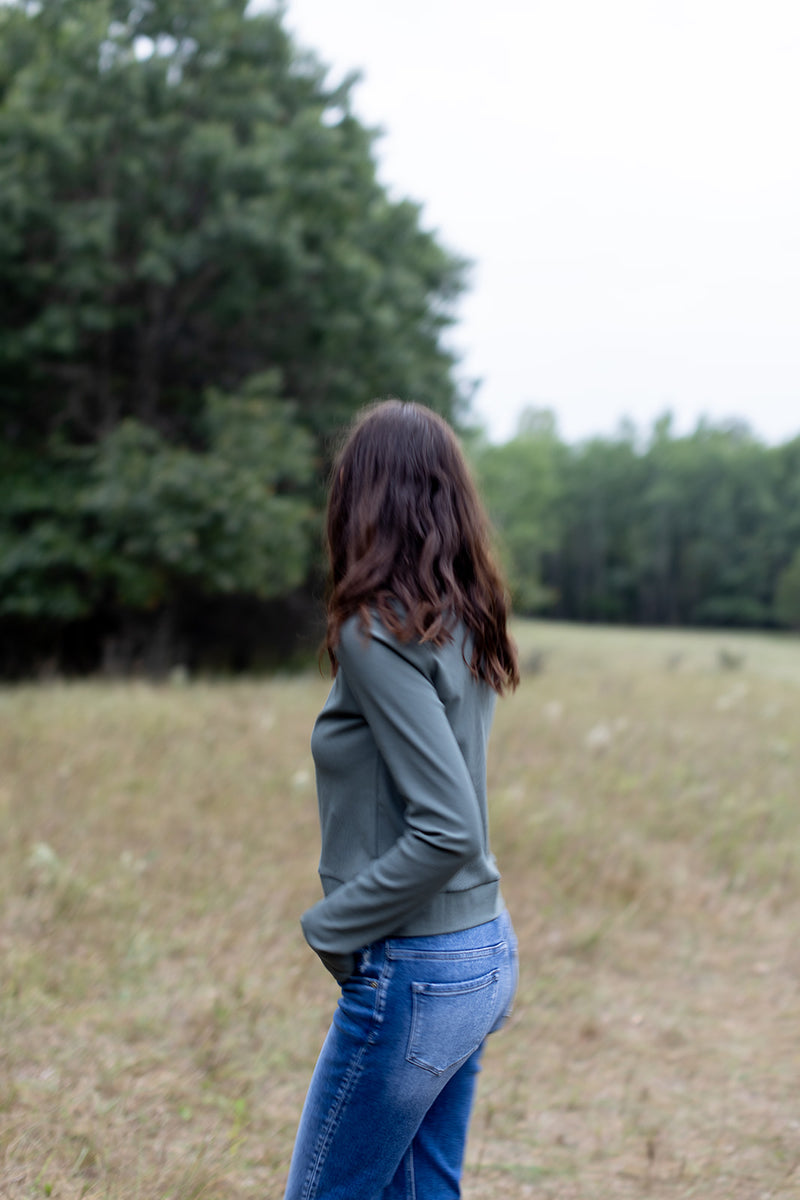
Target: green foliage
{"x": 129, "y": 521}
{"x": 44, "y": 560}
{"x": 200, "y": 280}
{"x": 675, "y": 530}
{"x": 787, "y": 595}
{"x": 185, "y": 203}
{"x": 594, "y": 570}
{"x": 521, "y": 483}
{"x": 232, "y": 519}
{"x": 710, "y": 512}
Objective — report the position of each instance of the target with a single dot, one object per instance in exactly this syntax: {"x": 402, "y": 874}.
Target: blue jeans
{"x": 388, "y": 1106}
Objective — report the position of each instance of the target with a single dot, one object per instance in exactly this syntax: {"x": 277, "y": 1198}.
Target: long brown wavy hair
{"x": 408, "y": 538}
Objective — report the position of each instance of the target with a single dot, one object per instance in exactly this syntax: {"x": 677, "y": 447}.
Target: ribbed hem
{"x": 448, "y": 912}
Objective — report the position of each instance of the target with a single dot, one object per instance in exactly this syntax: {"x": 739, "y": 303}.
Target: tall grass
{"x": 160, "y": 1013}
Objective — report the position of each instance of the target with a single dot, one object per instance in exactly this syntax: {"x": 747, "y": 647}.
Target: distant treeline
{"x": 701, "y": 529}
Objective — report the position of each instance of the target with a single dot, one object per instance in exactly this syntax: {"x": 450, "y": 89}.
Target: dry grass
{"x": 160, "y": 1014}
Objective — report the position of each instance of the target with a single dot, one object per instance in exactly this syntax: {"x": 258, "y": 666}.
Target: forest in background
{"x": 201, "y": 280}
{"x": 657, "y": 529}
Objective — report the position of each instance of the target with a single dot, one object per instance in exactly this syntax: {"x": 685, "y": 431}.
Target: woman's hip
{"x": 438, "y": 995}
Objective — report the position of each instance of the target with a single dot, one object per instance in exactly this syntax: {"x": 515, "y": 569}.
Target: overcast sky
{"x": 625, "y": 176}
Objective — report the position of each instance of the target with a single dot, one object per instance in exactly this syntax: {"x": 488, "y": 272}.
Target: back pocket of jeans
{"x": 450, "y": 1020}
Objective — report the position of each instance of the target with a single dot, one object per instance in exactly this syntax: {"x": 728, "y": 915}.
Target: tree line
{"x": 700, "y": 529}
{"x": 201, "y": 280}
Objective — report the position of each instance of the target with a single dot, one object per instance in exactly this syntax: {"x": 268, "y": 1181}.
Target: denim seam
{"x": 411, "y": 1182}
{"x": 380, "y": 1002}
{"x": 345, "y": 1091}
{"x": 329, "y": 1128}
{"x": 455, "y": 987}
{"x": 402, "y": 952}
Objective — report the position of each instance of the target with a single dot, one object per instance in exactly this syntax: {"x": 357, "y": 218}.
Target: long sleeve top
{"x": 400, "y": 756}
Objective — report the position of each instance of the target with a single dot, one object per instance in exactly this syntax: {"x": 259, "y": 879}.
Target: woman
{"x": 412, "y": 924}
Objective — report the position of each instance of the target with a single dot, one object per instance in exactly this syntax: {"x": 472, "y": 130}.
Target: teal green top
{"x": 400, "y": 756}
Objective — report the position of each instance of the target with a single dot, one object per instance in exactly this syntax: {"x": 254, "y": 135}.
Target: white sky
{"x": 625, "y": 175}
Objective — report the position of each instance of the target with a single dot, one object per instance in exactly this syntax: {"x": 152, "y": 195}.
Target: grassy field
{"x": 160, "y": 1012}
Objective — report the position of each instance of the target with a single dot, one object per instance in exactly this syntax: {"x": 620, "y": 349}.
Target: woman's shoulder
{"x": 360, "y": 630}
{"x": 368, "y": 637}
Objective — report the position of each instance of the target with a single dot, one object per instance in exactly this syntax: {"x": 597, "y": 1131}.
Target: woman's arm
{"x": 443, "y": 825}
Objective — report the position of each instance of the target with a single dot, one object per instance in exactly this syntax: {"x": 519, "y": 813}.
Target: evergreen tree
{"x": 200, "y": 280}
